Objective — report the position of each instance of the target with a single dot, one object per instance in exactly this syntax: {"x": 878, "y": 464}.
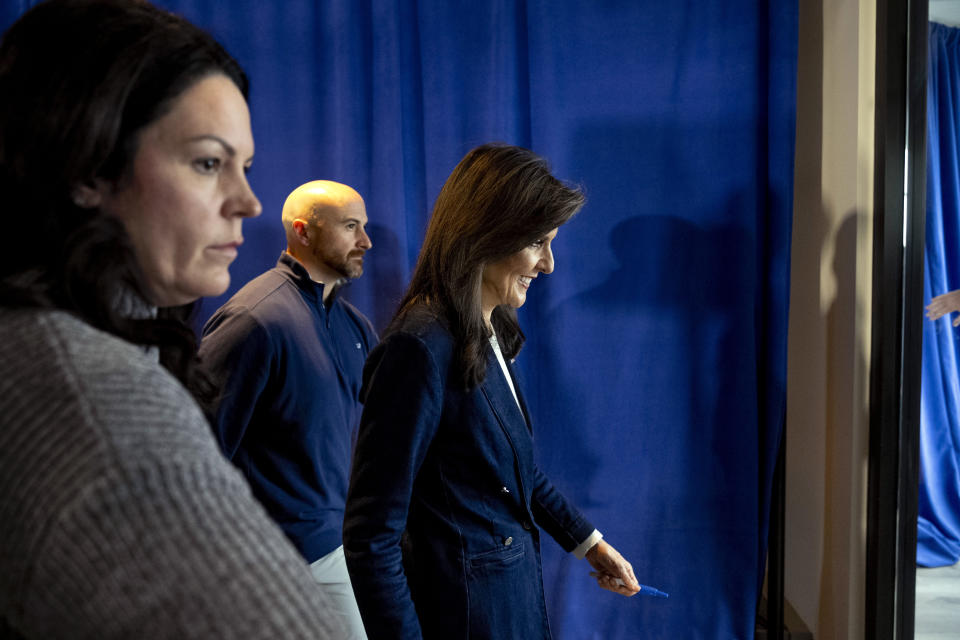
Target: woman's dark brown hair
{"x": 79, "y": 80}
{"x": 498, "y": 200}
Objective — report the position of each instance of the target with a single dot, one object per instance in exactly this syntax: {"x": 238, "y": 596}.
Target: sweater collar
{"x": 129, "y": 304}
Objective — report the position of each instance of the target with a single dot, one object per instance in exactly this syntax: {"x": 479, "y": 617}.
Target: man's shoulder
{"x": 265, "y": 300}
{"x": 261, "y": 289}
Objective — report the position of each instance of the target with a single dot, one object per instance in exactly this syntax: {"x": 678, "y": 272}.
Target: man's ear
{"x": 302, "y": 231}
{"x": 88, "y": 194}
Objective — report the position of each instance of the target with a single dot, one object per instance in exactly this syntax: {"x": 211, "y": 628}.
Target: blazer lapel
{"x": 514, "y": 424}
{"x": 511, "y": 417}
{"x": 520, "y": 398}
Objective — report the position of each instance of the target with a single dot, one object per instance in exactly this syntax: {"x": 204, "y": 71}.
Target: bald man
{"x": 289, "y": 353}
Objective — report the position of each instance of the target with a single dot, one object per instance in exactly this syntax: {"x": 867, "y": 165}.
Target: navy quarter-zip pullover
{"x": 290, "y": 369}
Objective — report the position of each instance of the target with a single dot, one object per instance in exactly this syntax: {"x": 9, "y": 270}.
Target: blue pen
{"x": 653, "y": 593}
{"x": 645, "y": 590}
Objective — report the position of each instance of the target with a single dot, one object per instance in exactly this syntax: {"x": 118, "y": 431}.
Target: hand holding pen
{"x": 613, "y": 572}
{"x": 645, "y": 590}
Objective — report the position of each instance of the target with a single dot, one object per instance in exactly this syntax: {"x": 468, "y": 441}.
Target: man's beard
{"x": 347, "y": 266}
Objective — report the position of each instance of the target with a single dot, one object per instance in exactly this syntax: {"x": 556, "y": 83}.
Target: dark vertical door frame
{"x": 897, "y": 317}
{"x": 777, "y": 544}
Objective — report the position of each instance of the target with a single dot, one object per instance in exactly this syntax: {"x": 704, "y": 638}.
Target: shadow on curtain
{"x": 938, "y": 523}
{"x": 656, "y": 362}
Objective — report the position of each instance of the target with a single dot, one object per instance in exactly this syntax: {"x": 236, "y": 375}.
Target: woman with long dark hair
{"x": 124, "y": 142}
{"x": 443, "y": 517}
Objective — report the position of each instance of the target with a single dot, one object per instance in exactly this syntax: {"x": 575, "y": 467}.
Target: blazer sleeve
{"x": 551, "y": 510}
{"x": 237, "y": 351}
{"x": 556, "y": 515}
{"x": 403, "y": 400}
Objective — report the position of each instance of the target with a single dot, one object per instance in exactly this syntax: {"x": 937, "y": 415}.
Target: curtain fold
{"x": 656, "y": 362}
{"x": 938, "y": 522}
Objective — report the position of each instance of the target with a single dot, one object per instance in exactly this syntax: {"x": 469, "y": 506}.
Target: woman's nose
{"x": 546, "y": 262}
{"x": 245, "y": 204}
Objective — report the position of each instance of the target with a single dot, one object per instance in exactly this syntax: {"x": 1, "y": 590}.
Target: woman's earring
{"x": 85, "y": 197}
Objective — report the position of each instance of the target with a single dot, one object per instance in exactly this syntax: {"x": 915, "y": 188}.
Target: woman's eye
{"x": 207, "y": 165}
{"x": 536, "y": 244}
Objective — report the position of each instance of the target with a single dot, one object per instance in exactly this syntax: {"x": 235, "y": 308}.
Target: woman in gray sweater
{"x": 124, "y": 141}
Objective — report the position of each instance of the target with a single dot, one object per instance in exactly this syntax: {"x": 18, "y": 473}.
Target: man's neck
{"x": 328, "y": 289}
{"x": 328, "y": 281}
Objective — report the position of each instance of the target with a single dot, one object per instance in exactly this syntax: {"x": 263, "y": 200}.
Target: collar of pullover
{"x": 299, "y": 275}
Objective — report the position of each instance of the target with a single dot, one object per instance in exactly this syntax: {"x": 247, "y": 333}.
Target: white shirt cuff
{"x": 587, "y": 544}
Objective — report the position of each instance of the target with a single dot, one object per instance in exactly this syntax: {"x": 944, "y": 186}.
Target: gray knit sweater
{"x": 119, "y": 518}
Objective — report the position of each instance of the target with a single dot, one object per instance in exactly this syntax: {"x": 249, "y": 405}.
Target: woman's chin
{"x": 191, "y": 292}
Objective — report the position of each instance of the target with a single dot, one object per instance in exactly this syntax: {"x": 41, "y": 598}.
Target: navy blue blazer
{"x": 441, "y": 530}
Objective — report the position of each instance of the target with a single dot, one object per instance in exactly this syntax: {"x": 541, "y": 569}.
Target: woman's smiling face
{"x": 506, "y": 281}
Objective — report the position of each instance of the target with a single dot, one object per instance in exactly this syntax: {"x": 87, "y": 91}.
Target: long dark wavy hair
{"x": 498, "y": 200}
{"x": 79, "y": 80}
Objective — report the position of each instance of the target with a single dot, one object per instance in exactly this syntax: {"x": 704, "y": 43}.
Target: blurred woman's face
{"x": 186, "y": 194}
{"x": 507, "y": 280}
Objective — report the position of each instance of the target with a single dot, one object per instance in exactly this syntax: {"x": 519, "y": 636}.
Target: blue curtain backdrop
{"x": 656, "y": 362}
{"x": 938, "y": 524}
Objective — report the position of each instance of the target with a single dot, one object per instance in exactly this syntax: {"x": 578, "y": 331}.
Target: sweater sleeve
{"x": 119, "y": 516}
{"x": 171, "y": 551}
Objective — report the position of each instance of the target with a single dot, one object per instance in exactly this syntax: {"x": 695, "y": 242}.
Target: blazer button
{"x": 504, "y": 490}
{"x": 527, "y": 525}
{"x": 507, "y": 541}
